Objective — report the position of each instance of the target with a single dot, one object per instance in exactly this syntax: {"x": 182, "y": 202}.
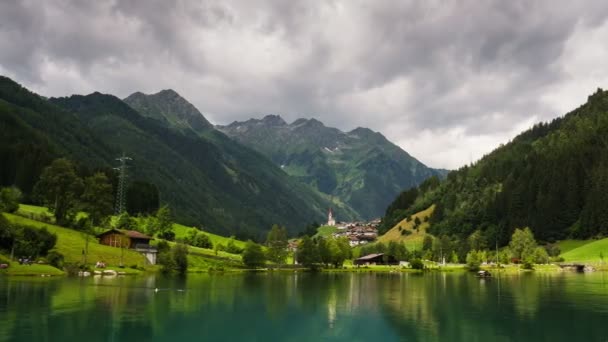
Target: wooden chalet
{"x": 124, "y": 238}
{"x": 376, "y": 259}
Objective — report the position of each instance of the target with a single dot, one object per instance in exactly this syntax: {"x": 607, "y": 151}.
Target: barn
{"x": 124, "y": 238}
{"x": 376, "y": 259}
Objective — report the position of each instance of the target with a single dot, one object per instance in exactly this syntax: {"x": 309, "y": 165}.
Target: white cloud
{"x": 446, "y": 81}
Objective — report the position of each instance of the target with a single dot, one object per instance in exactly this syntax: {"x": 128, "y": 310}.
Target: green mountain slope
{"x": 33, "y": 132}
{"x": 209, "y": 181}
{"x": 171, "y": 109}
{"x": 361, "y": 167}
{"x": 552, "y": 178}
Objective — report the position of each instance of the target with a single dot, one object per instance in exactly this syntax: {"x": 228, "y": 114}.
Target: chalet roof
{"x": 129, "y": 233}
{"x": 371, "y": 256}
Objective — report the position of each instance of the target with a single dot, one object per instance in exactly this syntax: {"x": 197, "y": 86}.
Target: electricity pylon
{"x": 122, "y": 184}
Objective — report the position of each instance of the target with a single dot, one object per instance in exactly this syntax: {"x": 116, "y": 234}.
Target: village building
{"x": 376, "y": 259}
{"x": 130, "y": 239}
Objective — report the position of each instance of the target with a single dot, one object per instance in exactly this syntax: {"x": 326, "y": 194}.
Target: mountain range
{"x": 208, "y": 179}
{"x": 360, "y": 168}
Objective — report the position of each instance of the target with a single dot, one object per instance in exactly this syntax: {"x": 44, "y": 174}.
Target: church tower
{"x": 331, "y": 220}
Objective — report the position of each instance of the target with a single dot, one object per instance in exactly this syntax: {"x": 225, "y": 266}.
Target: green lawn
{"x": 326, "y": 231}
{"x": 31, "y": 270}
{"x": 182, "y": 231}
{"x": 71, "y": 243}
{"x": 414, "y": 239}
{"x": 589, "y": 252}
{"x": 568, "y": 245}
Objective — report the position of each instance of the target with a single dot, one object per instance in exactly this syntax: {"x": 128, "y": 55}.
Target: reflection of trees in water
{"x": 302, "y": 306}
{"x": 461, "y": 307}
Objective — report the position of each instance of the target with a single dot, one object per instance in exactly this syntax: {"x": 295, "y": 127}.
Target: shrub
{"x": 55, "y": 259}
{"x": 417, "y": 264}
{"x": 231, "y": 247}
{"x": 9, "y": 199}
{"x": 253, "y": 256}
{"x": 168, "y": 235}
{"x": 180, "y": 258}
{"x": 527, "y": 265}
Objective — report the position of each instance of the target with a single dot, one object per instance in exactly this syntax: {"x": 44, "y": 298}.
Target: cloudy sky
{"x": 446, "y": 80}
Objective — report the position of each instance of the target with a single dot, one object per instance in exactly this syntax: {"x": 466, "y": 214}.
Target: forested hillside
{"x": 211, "y": 181}
{"x": 552, "y": 178}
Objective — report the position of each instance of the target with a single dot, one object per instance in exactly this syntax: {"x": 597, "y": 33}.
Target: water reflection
{"x": 306, "y": 307}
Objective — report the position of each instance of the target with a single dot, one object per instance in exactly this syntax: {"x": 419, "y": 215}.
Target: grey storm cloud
{"x": 447, "y": 81}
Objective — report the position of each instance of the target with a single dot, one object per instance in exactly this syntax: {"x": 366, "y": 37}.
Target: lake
{"x": 307, "y": 307}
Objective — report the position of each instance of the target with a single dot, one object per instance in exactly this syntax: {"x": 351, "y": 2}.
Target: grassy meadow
{"x": 71, "y": 244}
{"x": 587, "y": 252}
{"x": 414, "y": 239}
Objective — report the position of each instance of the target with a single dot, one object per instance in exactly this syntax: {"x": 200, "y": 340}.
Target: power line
{"x": 122, "y": 184}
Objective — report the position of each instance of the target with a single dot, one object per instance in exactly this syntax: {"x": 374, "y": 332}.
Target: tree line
{"x": 552, "y": 178}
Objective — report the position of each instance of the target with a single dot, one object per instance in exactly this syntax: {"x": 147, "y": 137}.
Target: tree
{"x": 427, "y": 243}
{"x": 454, "y": 258}
{"x": 126, "y": 222}
{"x": 324, "y": 251}
{"x": 59, "y": 188}
{"x": 180, "y": 258}
{"x": 276, "y": 241}
{"x": 473, "y": 261}
{"x": 345, "y": 251}
{"x": 477, "y": 241}
{"x": 164, "y": 220}
{"x": 9, "y": 199}
{"x": 7, "y": 235}
{"x": 97, "y": 199}
{"x": 540, "y": 255}
{"x": 522, "y": 244}
{"x": 253, "y": 255}
{"x": 308, "y": 254}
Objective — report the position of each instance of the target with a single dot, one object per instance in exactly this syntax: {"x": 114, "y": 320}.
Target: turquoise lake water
{"x": 307, "y": 307}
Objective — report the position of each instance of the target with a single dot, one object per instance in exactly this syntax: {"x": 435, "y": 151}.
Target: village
{"x": 358, "y": 233}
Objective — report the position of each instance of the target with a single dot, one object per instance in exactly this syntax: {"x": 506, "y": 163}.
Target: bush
{"x": 253, "y": 256}
{"x": 417, "y": 264}
{"x": 55, "y": 259}
{"x": 527, "y": 265}
{"x": 32, "y": 242}
{"x": 557, "y": 259}
{"x": 180, "y": 258}
{"x": 168, "y": 235}
{"x": 9, "y": 199}
{"x": 231, "y": 247}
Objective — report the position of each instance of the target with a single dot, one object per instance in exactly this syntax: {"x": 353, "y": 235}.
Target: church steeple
{"x": 331, "y": 220}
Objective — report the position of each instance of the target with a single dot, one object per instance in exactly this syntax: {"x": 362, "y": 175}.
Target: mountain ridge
{"x": 360, "y": 167}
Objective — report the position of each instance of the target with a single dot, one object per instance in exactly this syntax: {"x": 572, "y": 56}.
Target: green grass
{"x": 325, "y": 231}
{"x": 71, "y": 243}
{"x": 26, "y": 208}
{"x": 31, "y": 270}
{"x": 589, "y": 252}
{"x": 414, "y": 239}
{"x": 182, "y": 231}
{"x": 568, "y": 245}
